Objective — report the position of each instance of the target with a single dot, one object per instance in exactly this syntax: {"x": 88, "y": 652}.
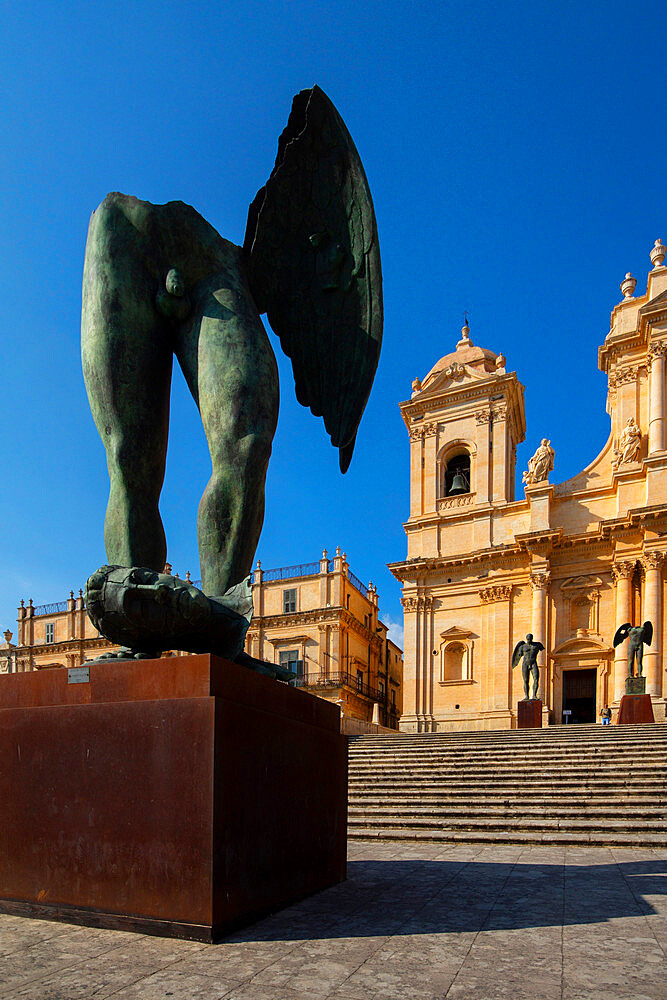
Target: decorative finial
{"x": 71, "y": 594}
{"x": 259, "y": 564}
{"x": 658, "y": 253}
{"x": 628, "y": 286}
{"x": 8, "y": 636}
{"x": 338, "y": 550}
{"x": 324, "y": 553}
{"x": 80, "y": 592}
{"x": 465, "y": 340}
{"x": 22, "y": 603}
{"x": 187, "y": 576}
{"x": 416, "y": 386}
{"x": 500, "y": 360}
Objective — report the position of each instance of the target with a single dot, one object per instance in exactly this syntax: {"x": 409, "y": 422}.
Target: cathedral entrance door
{"x": 579, "y": 694}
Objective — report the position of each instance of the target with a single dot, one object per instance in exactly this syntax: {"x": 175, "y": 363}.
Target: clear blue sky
{"x": 516, "y": 154}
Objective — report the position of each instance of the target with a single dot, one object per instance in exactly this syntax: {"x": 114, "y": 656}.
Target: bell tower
{"x": 465, "y": 420}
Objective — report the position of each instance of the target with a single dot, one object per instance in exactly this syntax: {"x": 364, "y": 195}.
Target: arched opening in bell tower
{"x": 456, "y": 474}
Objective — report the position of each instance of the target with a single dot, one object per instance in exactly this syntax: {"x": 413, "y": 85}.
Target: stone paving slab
{"x": 412, "y": 922}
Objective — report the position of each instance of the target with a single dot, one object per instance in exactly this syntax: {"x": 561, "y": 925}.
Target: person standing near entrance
{"x": 605, "y": 714}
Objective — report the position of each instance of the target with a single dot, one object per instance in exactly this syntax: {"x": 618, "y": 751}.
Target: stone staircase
{"x": 589, "y": 785}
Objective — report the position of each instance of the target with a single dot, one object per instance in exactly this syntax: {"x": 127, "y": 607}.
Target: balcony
{"x": 341, "y": 679}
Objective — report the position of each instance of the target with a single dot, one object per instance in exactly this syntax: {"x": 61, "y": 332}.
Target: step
{"x": 599, "y": 839}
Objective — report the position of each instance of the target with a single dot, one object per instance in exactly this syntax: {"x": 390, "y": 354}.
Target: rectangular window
{"x": 289, "y": 660}
{"x": 381, "y": 686}
{"x": 360, "y": 679}
{"x": 50, "y": 632}
{"x": 289, "y": 601}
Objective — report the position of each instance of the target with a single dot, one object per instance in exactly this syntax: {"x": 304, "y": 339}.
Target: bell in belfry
{"x": 459, "y": 484}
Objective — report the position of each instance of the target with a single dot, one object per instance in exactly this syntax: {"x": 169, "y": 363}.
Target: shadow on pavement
{"x": 438, "y": 897}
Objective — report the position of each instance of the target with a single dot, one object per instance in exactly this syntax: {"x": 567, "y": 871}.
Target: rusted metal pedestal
{"x": 635, "y": 708}
{"x": 184, "y": 796}
{"x": 529, "y": 715}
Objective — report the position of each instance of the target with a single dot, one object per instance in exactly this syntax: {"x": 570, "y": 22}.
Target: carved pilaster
{"x": 652, "y": 559}
{"x": 540, "y": 581}
{"x": 501, "y": 592}
{"x": 622, "y": 570}
{"x": 422, "y": 431}
{"x": 483, "y": 416}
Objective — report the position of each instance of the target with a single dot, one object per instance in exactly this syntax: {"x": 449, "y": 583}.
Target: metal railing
{"x": 50, "y": 609}
{"x": 343, "y": 678}
{"x": 356, "y": 582}
{"x": 290, "y": 572}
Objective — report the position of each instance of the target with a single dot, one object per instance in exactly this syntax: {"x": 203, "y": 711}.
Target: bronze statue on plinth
{"x": 529, "y": 668}
{"x": 638, "y": 636}
{"x": 159, "y": 281}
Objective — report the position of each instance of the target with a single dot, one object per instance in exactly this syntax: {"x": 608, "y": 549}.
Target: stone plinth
{"x": 635, "y": 685}
{"x": 635, "y": 708}
{"x": 183, "y": 796}
{"x": 529, "y": 715}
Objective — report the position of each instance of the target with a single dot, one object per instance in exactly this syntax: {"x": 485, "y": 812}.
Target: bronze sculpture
{"x": 638, "y": 636}
{"x": 159, "y": 281}
{"x": 529, "y": 668}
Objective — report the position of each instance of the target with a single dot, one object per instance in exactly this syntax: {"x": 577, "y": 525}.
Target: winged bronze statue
{"x": 159, "y": 281}
{"x": 639, "y": 636}
{"x": 527, "y": 651}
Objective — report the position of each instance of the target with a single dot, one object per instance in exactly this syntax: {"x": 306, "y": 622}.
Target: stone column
{"x": 482, "y": 460}
{"x": 498, "y": 693}
{"x": 622, "y": 574}
{"x": 431, "y": 472}
{"x": 412, "y": 717}
{"x": 652, "y": 664}
{"x": 428, "y": 659}
{"x": 499, "y": 455}
{"x": 539, "y": 581}
{"x": 656, "y": 427}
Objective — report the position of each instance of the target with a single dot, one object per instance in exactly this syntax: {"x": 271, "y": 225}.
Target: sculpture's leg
{"x": 536, "y": 680}
{"x": 127, "y": 362}
{"x": 640, "y": 659}
{"x": 231, "y": 370}
{"x": 525, "y": 670}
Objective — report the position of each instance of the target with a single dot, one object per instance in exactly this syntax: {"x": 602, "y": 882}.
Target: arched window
{"x": 456, "y": 475}
{"x": 453, "y": 666}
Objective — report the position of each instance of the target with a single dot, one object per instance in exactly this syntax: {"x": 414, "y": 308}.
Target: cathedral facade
{"x": 567, "y": 562}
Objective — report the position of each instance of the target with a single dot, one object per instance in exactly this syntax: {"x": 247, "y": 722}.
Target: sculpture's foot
{"x": 125, "y": 653}
{"x": 143, "y": 610}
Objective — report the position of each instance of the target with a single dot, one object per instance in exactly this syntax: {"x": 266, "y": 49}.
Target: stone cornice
{"x": 335, "y": 617}
{"x": 64, "y": 646}
{"x": 618, "y": 346}
{"x": 410, "y": 569}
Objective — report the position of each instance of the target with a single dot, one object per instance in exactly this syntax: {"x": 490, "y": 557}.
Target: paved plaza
{"x": 411, "y": 923}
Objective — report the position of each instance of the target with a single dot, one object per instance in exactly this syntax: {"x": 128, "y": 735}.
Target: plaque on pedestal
{"x": 635, "y": 708}
{"x": 530, "y": 714}
{"x": 635, "y": 685}
{"x": 183, "y": 796}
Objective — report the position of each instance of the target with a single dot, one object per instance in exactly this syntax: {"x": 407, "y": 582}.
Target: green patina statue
{"x": 159, "y": 281}
{"x": 529, "y": 668}
{"x": 638, "y": 636}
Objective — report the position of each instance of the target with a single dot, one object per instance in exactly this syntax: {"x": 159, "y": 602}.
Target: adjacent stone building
{"x": 568, "y": 562}
{"x": 322, "y": 622}
{"x": 318, "y": 619}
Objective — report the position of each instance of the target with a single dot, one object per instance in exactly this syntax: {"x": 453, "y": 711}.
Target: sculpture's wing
{"x": 314, "y": 265}
{"x": 622, "y": 633}
{"x": 647, "y": 633}
{"x": 539, "y": 646}
{"x": 516, "y": 655}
